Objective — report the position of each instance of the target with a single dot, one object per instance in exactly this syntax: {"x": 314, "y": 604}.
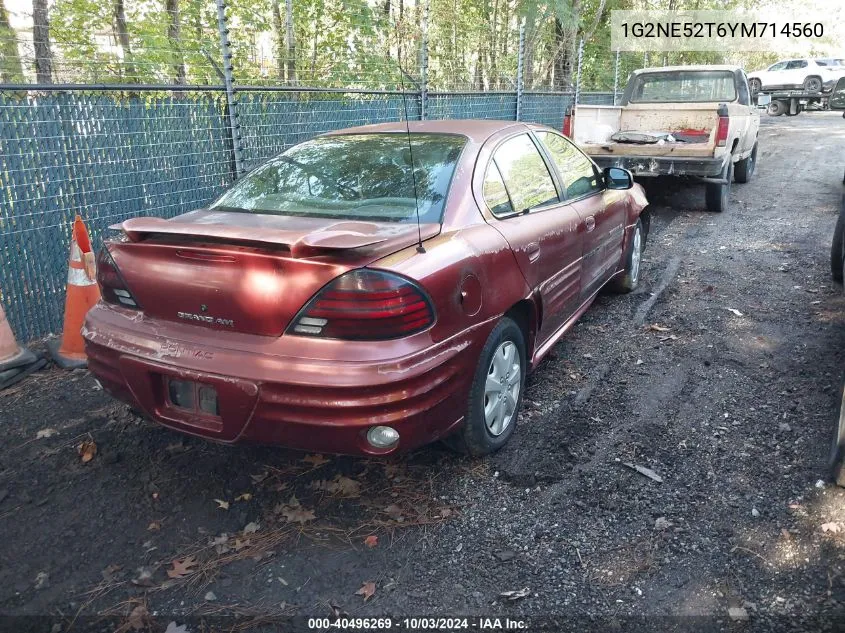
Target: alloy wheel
{"x": 636, "y": 256}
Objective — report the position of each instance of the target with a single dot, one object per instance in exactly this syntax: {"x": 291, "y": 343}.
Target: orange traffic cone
{"x": 16, "y": 362}
{"x": 82, "y": 293}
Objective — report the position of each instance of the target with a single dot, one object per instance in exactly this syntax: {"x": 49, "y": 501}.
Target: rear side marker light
{"x": 365, "y": 305}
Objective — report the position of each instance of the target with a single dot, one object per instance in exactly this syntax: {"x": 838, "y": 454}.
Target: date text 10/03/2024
{"x": 418, "y": 624}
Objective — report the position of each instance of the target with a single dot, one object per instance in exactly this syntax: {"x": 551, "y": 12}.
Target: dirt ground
{"x": 726, "y": 385}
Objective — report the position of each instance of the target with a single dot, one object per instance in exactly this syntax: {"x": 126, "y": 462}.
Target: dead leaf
{"x": 87, "y": 450}
{"x": 145, "y": 578}
{"x": 368, "y": 590}
{"x": 315, "y": 460}
{"x": 515, "y": 595}
{"x": 297, "y": 514}
{"x": 251, "y": 528}
{"x": 182, "y": 568}
{"x": 138, "y": 617}
{"x": 260, "y": 476}
{"x": 220, "y": 544}
{"x": 831, "y": 527}
{"x": 340, "y": 485}
{"x": 244, "y": 497}
{"x": 654, "y": 327}
{"x": 45, "y": 433}
{"x": 109, "y": 572}
{"x": 371, "y": 541}
{"x": 241, "y": 544}
{"x": 223, "y": 505}
{"x": 172, "y": 627}
{"x": 155, "y": 526}
{"x": 737, "y": 614}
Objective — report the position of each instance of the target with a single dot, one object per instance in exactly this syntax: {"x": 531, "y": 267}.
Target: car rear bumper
{"x": 661, "y": 166}
{"x": 317, "y": 401}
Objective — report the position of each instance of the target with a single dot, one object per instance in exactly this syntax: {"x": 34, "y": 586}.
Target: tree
{"x": 174, "y": 35}
{"x": 41, "y": 42}
{"x": 122, "y": 33}
{"x": 11, "y": 70}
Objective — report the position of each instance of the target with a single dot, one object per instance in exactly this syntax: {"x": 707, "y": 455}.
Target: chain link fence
{"x": 123, "y": 111}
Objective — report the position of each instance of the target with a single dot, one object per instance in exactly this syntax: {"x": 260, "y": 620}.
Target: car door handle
{"x": 533, "y": 251}
{"x": 590, "y": 222}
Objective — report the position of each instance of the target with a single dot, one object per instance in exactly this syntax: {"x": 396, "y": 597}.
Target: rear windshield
{"x": 831, "y": 62}
{"x": 353, "y": 177}
{"x": 684, "y": 86}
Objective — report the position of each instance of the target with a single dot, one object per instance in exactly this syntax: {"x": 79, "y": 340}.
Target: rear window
{"x": 353, "y": 177}
{"x": 684, "y": 86}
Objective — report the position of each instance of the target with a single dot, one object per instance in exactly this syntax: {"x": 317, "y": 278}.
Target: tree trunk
{"x": 41, "y": 42}
{"x": 280, "y": 38}
{"x": 11, "y": 69}
{"x": 290, "y": 41}
{"x": 174, "y": 34}
{"x": 562, "y": 66}
{"x": 122, "y": 34}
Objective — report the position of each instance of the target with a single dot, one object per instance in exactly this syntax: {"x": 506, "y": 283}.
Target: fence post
{"x": 424, "y": 64}
{"x": 578, "y": 76}
{"x": 616, "y": 78}
{"x": 520, "y": 69}
{"x": 228, "y": 80}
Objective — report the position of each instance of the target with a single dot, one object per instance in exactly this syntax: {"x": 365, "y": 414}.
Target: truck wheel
{"x": 744, "y": 169}
{"x": 755, "y": 85}
{"x": 813, "y": 84}
{"x": 717, "y": 196}
{"x": 776, "y": 108}
{"x": 837, "y": 248}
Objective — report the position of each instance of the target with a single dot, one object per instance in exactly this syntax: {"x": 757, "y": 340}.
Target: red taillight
{"x": 567, "y": 124}
{"x": 112, "y": 287}
{"x": 365, "y": 305}
{"x": 722, "y": 131}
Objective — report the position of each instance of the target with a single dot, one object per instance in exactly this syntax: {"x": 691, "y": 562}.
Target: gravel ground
{"x": 725, "y": 385}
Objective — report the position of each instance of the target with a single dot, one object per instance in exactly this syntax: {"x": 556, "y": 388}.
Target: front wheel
{"x": 495, "y": 395}
{"x": 630, "y": 278}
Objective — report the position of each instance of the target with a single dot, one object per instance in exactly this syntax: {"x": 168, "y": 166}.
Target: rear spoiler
{"x": 300, "y": 243}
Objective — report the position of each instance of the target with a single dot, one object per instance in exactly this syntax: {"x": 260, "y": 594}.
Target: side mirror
{"x": 837, "y": 97}
{"x": 618, "y": 178}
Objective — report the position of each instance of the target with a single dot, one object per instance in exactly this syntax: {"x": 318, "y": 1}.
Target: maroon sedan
{"x": 335, "y": 299}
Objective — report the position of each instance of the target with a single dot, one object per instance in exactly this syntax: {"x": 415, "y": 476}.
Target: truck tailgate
{"x": 593, "y": 126}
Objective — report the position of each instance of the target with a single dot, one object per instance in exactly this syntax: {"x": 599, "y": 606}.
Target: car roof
{"x": 476, "y": 129}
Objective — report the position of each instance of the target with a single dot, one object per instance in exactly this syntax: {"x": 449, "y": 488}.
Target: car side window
{"x": 495, "y": 194}
{"x": 778, "y": 66}
{"x": 796, "y": 63}
{"x": 579, "y": 175}
{"x": 524, "y": 174}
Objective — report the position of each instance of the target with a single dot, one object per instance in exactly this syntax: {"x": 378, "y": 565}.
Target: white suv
{"x": 811, "y": 75}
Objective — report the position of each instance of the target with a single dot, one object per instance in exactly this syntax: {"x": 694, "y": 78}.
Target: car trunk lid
{"x": 243, "y": 272}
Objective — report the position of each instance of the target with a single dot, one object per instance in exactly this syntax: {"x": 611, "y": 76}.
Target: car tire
{"x": 837, "y": 453}
{"x": 837, "y": 248}
{"x": 630, "y": 278}
{"x": 755, "y": 86}
{"x": 717, "y": 196}
{"x": 776, "y": 108}
{"x": 813, "y": 84}
{"x": 744, "y": 169}
{"x": 480, "y": 433}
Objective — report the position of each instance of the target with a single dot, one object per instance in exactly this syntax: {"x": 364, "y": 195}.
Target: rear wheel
{"x": 717, "y": 196}
{"x": 496, "y": 392}
{"x": 744, "y": 168}
{"x": 813, "y": 84}
{"x": 776, "y": 108}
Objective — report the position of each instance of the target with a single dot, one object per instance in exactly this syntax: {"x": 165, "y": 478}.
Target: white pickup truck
{"x": 689, "y": 121}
